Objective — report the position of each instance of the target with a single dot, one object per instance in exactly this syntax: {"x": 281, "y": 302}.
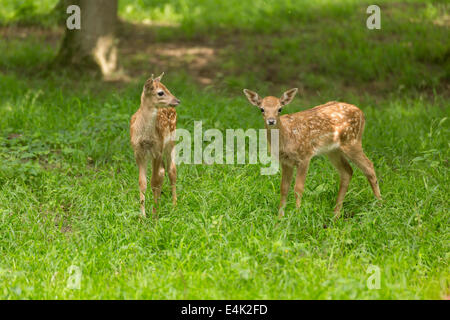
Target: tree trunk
{"x": 94, "y": 46}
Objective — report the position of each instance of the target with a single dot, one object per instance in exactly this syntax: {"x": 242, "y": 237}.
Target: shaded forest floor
{"x": 410, "y": 53}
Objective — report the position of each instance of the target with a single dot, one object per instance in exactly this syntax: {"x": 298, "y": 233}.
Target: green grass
{"x": 68, "y": 182}
{"x": 26, "y": 11}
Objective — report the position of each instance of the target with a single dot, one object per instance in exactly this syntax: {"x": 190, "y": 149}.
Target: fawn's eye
{"x": 279, "y": 110}
{"x": 262, "y": 110}
{"x": 160, "y": 93}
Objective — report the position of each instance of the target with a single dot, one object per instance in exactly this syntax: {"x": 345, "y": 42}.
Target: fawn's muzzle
{"x": 271, "y": 121}
{"x": 175, "y": 102}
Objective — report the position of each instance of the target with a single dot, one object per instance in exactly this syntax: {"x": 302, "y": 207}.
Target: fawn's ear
{"x": 158, "y": 78}
{"x": 148, "y": 87}
{"x": 149, "y": 83}
{"x": 287, "y": 97}
{"x": 253, "y": 97}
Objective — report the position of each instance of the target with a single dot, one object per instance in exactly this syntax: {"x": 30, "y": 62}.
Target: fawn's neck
{"x": 148, "y": 110}
{"x": 278, "y": 126}
{"x": 146, "y": 103}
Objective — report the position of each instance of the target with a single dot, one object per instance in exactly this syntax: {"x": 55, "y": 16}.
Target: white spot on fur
{"x": 336, "y": 136}
{"x": 337, "y": 115}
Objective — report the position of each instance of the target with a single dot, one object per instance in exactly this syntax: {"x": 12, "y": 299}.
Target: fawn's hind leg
{"x": 172, "y": 171}
{"x": 341, "y": 164}
{"x": 356, "y": 154}
{"x": 142, "y": 162}
{"x": 157, "y": 180}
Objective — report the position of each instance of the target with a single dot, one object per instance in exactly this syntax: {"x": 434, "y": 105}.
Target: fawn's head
{"x": 158, "y": 94}
{"x": 270, "y": 106}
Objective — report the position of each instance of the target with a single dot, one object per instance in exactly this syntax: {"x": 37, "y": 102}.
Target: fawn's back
{"x": 321, "y": 129}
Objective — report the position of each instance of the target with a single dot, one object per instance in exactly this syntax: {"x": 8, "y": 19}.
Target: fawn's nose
{"x": 175, "y": 102}
{"x": 271, "y": 121}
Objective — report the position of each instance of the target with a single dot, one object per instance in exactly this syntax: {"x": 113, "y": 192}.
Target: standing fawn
{"x": 152, "y": 132}
{"x": 334, "y": 129}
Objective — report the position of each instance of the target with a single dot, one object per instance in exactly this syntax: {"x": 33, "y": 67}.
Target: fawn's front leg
{"x": 302, "y": 171}
{"x": 286, "y": 177}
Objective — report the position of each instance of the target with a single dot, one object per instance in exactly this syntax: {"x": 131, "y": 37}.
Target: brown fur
{"x": 152, "y": 136}
{"x": 334, "y": 129}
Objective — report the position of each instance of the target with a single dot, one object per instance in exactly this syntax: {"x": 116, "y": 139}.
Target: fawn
{"x": 152, "y": 132}
{"x": 334, "y": 129}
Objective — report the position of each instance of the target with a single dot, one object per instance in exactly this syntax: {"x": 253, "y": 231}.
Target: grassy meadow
{"x": 69, "y": 191}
